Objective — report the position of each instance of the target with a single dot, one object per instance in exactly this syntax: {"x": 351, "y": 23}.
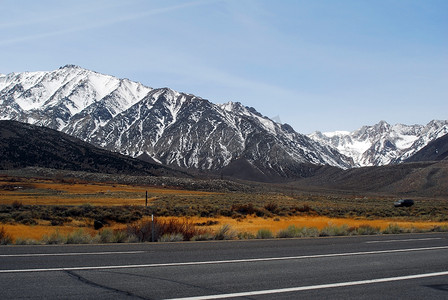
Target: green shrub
{"x": 106, "y": 236}
{"x": 393, "y": 229}
{"x": 26, "y": 241}
{"x": 293, "y": 232}
{"x": 203, "y": 237}
{"x": 171, "y": 237}
{"x": 264, "y": 234}
{"x": 441, "y": 228}
{"x": 54, "y": 238}
{"x": 366, "y": 230}
{"x": 245, "y": 236}
{"x": 333, "y": 230}
{"x": 121, "y": 236}
{"x": 309, "y": 232}
{"x": 79, "y": 237}
{"x": 225, "y": 232}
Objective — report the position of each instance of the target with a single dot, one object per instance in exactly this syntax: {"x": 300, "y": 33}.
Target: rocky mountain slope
{"x": 382, "y": 143}
{"x": 434, "y": 151}
{"x": 162, "y": 125}
{"x": 24, "y": 145}
{"x": 422, "y": 179}
{"x": 183, "y": 130}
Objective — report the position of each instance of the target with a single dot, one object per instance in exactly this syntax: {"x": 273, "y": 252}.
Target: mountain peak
{"x": 70, "y": 66}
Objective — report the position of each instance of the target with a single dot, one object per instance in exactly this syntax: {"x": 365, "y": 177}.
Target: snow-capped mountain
{"x": 53, "y": 99}
{"x": 172, "y": 128}
{"x": 382, "y": 144}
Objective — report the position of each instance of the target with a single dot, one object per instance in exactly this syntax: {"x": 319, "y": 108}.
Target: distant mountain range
{"x": 181, "y": 130}
{"x": 382, "y": 144}
{"x": 51, "y": 153}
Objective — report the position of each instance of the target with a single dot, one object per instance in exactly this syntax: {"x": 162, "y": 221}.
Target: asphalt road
{"x": 370, "y": 267}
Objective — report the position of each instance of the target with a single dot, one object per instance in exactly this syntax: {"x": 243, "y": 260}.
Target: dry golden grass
{"x": 253, "y": 224}
{"x": 46, "y": 192}
{"x": 36, "y": 232}
{"x": 249, "y": 224}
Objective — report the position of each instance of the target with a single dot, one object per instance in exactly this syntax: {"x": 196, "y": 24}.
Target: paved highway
{"x": 371, "y": 267}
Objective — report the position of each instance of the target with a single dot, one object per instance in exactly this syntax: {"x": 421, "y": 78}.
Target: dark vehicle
{"x": 404, "y": 203}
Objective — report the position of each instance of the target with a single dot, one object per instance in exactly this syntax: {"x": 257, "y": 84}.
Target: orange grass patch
{"x": 253, "y": 224}
{"x": 36, "y": 232}
{"x": 47, "y": 192}
{"x": 249, "y": 224}
{"x": 99, "y": 201}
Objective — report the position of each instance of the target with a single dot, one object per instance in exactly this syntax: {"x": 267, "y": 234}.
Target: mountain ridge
{"x": 175, "y": 129}
{"x": 186, "y": 131}
{"x": 24, "y": 145}
{"x": 382, "y": 143}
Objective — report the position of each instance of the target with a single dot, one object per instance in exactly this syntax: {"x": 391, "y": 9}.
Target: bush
{"x": 366, "y": 230}
{"x": 393, "y": 229}
{"x": 272, "y": 207}
{"x": 5, "y": 238}
{"x": 293, "y": 232}
{"x": 121, "y": 236}
{"x": 79, "y": 237}
{"x": 203, "y": 237}
{"x": 171, "y": 237}
{"x": 26, "y": 241}
{"x": 442, "y": 228}
{"x": 97, "y": 224}
{"x": 17, "y": 205}
{"x": 225, "y": 232}
{"x": 333, "y": 230}
{"x": 54, "y": 238}
{"x": 246, "y": 236}
{"x": 264, "y": 234}
{"x": 143, "y": 231}
{"x": 106, "y": 236}
{"x": 208, "y": 223}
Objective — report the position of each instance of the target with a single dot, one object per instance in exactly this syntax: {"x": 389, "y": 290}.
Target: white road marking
{"x": 314, "y": 287}
{"x": 69, "y": 254}
{"x": 220, "y": 261}
{"x": 407, "y": 240}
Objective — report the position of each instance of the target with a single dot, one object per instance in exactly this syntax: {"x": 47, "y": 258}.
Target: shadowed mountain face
{"x": 426, "y": 179}
{"x": 434, "y": 151}
{"x": 23, "y": 145}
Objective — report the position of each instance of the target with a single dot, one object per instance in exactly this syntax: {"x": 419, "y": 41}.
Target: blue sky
{"x": 318, "y": 65}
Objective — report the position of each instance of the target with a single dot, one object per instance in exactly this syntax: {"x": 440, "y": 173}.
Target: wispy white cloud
{"x": 93, "y": 25}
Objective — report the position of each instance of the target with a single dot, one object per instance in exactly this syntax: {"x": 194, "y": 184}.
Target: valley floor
{"x": 32, "y": 208}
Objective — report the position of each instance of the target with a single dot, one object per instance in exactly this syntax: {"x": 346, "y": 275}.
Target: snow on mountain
{"x": 53, "y": 98}
{"x": 173, "y": 128}
{"x": 382, "y": 144}
{"x": 187, "y": 131}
